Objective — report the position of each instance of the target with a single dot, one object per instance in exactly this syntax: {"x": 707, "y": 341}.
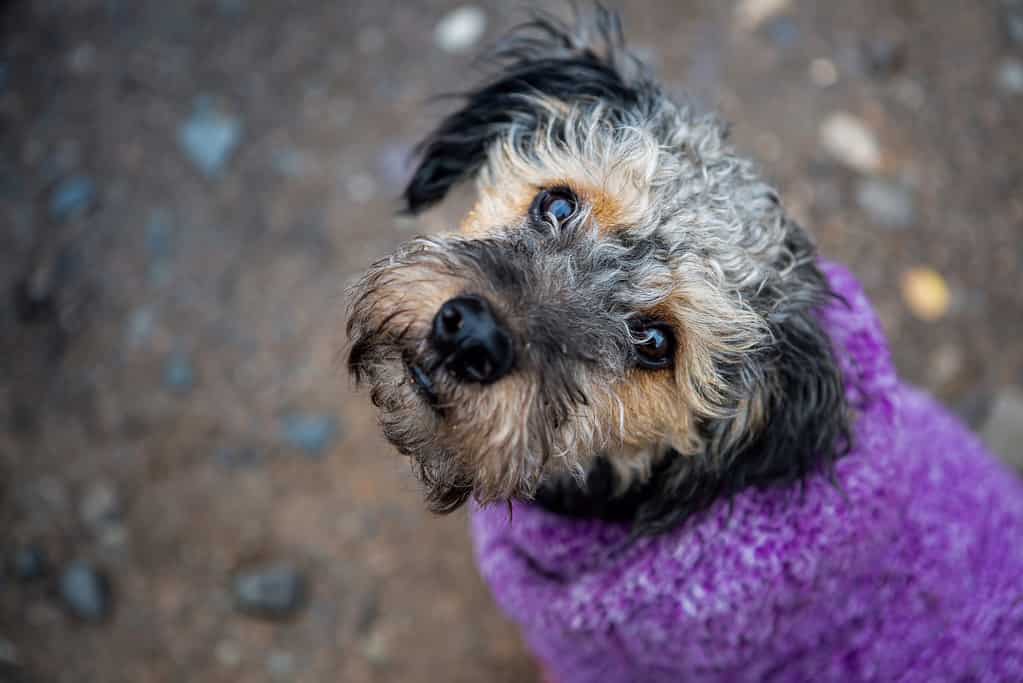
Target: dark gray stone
{"x": 209, "y": 137}
{"x": 1010, "y": 76}
{"x": 28, "y": 563}
{"x": 312, "y": 434}
{"x": 178, "y": 373}
{"x": 883, "y": 55}
{"x": 238, "y": 457}
{"x": 85, "y": 592}
{"x": 887, "y": 203}
{"x": 782, "y": 31}
{"x": 270, "y": 592}
{"x": 73, "y": 197}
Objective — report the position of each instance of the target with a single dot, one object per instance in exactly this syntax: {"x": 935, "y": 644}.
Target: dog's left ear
{"x": 797, "y": 421}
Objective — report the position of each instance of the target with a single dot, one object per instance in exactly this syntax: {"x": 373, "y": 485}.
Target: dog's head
{"x": 625, "y": 288}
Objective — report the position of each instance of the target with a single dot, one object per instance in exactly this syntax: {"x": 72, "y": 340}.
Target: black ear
{"x": 541, "y": 59}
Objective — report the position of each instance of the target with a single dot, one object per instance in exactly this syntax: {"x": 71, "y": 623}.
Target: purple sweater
{"x": 911, "y": 570}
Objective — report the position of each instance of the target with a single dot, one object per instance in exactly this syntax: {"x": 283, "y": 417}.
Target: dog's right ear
{"x": 457, "y": 148}
{"x": 541, "y": 61}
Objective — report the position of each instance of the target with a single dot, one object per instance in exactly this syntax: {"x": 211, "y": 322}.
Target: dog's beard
{"x": 491, "y": 443}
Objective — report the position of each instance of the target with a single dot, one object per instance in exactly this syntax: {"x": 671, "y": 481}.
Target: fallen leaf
{"x": 926, "y": 293}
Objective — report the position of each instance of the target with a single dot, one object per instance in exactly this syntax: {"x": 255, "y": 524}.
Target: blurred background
{"x": 190, "y": 490}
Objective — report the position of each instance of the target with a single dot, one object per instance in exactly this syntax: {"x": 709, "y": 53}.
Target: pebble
{"x": 159, "y": 235}
{"x": 750, "y": 14}
{"x": 28, "y": 563}
{"x": 1003, "y": 430}
{"x": 460, "y": 29}
{"x": 361, "y": 187}
{"x": 1010, "y": 76}
{"x": 290, "y": 163}
{"x": 851, "y": 142}
{"x": 926, "y": 293}
{"x": 1014, "y": 23}
{"x": 887, "y": 203}
{"x": 8, "y": 655}
{"x": 229, "y": 654}
{"x": 72, "y": 198}
{"x": 270, "y": 592}
{"x": 100, "y": 507}
{"x": 85, "y": 592}
{"x": 280, "y": 664}
{"x": 209, "y": 137}
{"x": 140, "y": 327}
{"x": 231, "y": 8}
{"x": 178, "y": 373}
{"x": 312, "y": 434}
{"x": 823, "y": 73}
{"x": 783, "y": 32}
{"x": 238, "y": 457}
{"x": 883, "y": 55}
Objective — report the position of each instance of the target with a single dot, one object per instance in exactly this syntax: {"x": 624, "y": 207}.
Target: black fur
{"x": 539, "y": 59}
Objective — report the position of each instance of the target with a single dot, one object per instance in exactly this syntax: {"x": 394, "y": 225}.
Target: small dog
{"x": 634, "y": 346}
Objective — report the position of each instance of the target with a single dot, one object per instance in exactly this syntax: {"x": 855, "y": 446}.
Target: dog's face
{"x": 625, "y": 288}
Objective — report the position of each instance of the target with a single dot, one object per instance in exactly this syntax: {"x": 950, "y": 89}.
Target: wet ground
{"x": 190, "y": 490}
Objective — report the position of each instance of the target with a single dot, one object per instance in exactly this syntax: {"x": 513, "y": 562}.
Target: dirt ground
{"x": 173, "y": 414}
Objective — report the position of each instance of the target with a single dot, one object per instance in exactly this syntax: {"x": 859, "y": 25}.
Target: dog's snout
{"x": 475, "y": 346}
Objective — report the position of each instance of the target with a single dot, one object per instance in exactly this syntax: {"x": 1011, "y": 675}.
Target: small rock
{"x": 73, "y": 197}
{"x": 280, "y": 664}
{"x": 750, "y": 14}
{"x": 28, "y": 563}
{"x": 159, "y": 235}
{"x": 228, "y": 653}
{"x": 823, "y": 73}
{"x": 1003, "y": 430}
{"x": 271, "y": 592}
{"x": 926, "y": 293}
{"x": 883, "y": 55}
{"x": 238, "y": 457}
{"x": 886, "y": 203}
{"x": 8, "y": 654}
{"x": 85, "y": 592}
{"x": 361, "y": 187}
{"x": 209, "y": 137}
{"x": 82, "y": 59}
{"x": 393, "y": 164}
{"x": 783, "y": 32}
{"x": 1010, "y": 76}
{"x": 460, "y": 29}
{"x": 850, "y": 142}
{"x": 290, "y": 163}
{"x": 140, "y": 327}
{"x": 178, "y": 373}
{"x": 1014, "y": 23}
{"x": 100, "y": 506}
{"x": 231, "y": 8}
{"x": 312, "y": 434}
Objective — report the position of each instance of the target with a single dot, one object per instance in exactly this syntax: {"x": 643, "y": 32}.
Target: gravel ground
{"x": 189, "y": 488}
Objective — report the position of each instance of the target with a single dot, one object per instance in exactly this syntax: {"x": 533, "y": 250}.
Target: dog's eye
{"x": 559, "y": 204}
{"x": 655, "y": 345}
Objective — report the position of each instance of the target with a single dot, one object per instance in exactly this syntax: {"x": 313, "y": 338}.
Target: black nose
{"x": 475, "y": 346}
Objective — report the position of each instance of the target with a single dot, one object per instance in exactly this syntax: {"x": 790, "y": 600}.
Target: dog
{"x": 688, "y": 455}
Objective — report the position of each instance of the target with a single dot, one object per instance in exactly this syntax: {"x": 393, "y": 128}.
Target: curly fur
{"x": 674, "y": 224}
